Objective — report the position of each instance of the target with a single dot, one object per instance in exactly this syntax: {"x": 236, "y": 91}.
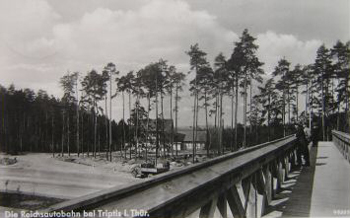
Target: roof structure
{"x": 201, "y": 135}
{"x": 179, "y": 137}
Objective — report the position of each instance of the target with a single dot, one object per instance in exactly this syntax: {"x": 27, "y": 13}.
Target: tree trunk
{"x": 162, "y": 135}
{"x": 309, "y": 104}
{"x": 194, "y": 123}
{"x": 129, "y": 132}
{"x": 46, "y": 140}
{"x": 338, "y": 116}
{"x": 216, "y": 110}
{"x": 62, "y": 141}
{"x": 90, "y": 121}
{"x": 78, "y": 143}
{"x": 147, "y": 128}
{"x": 288, "y": 99}
{"x": 95, "y": 128}
{"x": 196, "y": 132}
{"x": 250, "y": 105}
{"x": 307, "y": 100}
{"x": 157, "y": 139}
{"x": 283, "y": 113}
{"x": 323, "y": 112}
{"x": 206, "y": 121}
{"x": 268, "y": 118}
{"x": 52, "y": 135}
{"x": 137, "y": 104}
{"x": 106, "y": 130}
{"x": 297, "y": 102}
{"x": 99, "y": 143}
{"x": 110, "y": 118}
{"x": 82, "y": 134}
{"x": 68, "y": 134}
{"x": 232, "y": 105}
{"x": 236, "y": 114}
{"x": 89, "y": 132}
{"x": 124, "y": 125}
{"x": 176, "y": 111}
{"x": 172, "y": 127}
{"x": 245, "y": 112}
{"x": 347, "y": 84}
{"x": 221, "y": 125}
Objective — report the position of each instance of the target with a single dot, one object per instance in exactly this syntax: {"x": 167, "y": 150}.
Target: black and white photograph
{"x": 174, "y": 108}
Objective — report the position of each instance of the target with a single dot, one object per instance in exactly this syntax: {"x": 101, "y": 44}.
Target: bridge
{"x": 260, "y": 181}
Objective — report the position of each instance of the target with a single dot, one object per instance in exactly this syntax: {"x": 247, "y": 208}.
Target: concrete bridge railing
{"x": 342, "y": 141}
{"x": 241, "y": 184}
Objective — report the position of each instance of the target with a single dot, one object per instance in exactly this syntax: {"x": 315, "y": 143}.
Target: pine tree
{"x": 197, "y": 61}
{"x": 323, "y": 72}
{"x": 220, "y": 88}
{"x": 125, "y": 84}
{"x": 341, "y": 59}
{"x": 282, "y": 70}
{"x": 245, "y": 61}
{"x": 269, "y": 99}
{"x": 68, "y": 83}
{"x": 108, "y": 72}
{"x": 94, "y": 87}
{"x": 178, "y": 79}
{"x": 149, "y": 77}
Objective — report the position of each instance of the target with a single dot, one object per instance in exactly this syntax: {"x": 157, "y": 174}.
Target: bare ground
{"x": 41, "y": 174}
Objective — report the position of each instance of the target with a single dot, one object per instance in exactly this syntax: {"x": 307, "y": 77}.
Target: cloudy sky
{"x": 42, "y": 40}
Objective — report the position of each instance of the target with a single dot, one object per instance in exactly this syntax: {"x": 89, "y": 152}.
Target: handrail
{"x": 197, "y": 184}
{"x": 342, "y": 141}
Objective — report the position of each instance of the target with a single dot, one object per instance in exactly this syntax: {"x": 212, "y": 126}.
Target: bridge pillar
{"x": 250, "y": 196}
{"x": 263, "y": 185}
{"x": 285, "y": 165}
{"x": 235, "y": 202}
{"x": 280, "y": 170}
{"x": 222, "y": 205}
{"x": 292, "y": 156}
{"x": 268, "y": 184}
{"x": 252, "y": 202}
{"x": 276, "y": 179}
{"x": 207, "y": 211}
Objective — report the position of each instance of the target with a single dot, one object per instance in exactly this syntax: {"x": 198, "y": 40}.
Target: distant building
{"x": 182, "y": 140}
{"x": 179, "y": 141}
{"x": 187, "y": 143}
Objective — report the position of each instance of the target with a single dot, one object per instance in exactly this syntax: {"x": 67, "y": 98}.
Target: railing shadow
{"x": 299, "y": 203}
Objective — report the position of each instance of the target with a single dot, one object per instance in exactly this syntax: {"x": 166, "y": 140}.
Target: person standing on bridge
{"x": 307, "y": 133}
{"x": 302, "y": 146}
{"x": 315, "y": 135}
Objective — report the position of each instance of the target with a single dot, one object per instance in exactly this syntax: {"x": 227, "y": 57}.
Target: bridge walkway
{"x": 323, "y": 189}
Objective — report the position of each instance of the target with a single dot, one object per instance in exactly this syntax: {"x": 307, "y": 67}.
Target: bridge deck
{"x": 323, "y": 189}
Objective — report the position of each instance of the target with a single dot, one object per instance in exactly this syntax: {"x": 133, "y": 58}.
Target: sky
{"x": 41, "y": 40}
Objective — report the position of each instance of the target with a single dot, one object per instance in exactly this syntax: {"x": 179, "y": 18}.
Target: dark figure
{"x": 315, "y": 135}
{"x": 302, "y": 149}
